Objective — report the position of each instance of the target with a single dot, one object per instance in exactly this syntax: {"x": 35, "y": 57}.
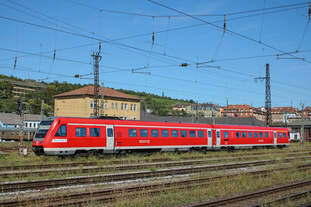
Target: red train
{"x": 68, "y": 136}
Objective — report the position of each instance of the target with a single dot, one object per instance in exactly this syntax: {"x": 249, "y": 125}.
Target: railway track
{"x": 91, "y": 167}
{"x": 111, "y": 194}
{"x": 52, "y": 183}
{"x": 124, "y": 162}
{"x": 237, "y": 199}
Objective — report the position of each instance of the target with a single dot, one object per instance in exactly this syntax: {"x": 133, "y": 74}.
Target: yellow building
{"x": 80, "y": 103}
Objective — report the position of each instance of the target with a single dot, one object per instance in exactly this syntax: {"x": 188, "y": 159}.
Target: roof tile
{"x": 89, "y": 90}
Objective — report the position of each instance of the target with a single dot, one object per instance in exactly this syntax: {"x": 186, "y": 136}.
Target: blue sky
{"x": 74, "y": 27}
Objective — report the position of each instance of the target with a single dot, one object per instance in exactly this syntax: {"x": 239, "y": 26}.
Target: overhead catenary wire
{"x": 228, "y": 30}
{"x": 177, "y": 16}
{"x": 175, "y": 29}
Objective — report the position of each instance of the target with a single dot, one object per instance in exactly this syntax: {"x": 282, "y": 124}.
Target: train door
{"x": 209, "y": 138}
{"x": 274, "y": 138}
{"x": 217, "y": 138}
{"x": 109, "y": 138}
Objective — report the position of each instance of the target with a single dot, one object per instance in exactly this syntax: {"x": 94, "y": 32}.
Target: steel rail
{"x": 92, "y": 168}
{"x": 111, "y": 194}
{"x": 124, "y": 161}
{"x": 52, "y": 183}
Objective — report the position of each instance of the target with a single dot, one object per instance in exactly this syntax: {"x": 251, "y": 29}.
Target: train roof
{"x": 152, "y": 123}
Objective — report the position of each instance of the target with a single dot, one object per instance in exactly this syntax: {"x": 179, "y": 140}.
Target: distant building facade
{"x": 80, "y": 103}
{"x": 20, "y": 88}
{"x": 284, "y": 115}
{"x": 203, "y": 109}
{"x": 12, "y": 120}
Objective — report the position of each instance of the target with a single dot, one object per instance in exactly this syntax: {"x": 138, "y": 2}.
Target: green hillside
{"x": 159, "y": 105}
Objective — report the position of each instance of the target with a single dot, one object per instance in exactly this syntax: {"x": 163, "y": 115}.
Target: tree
{"x": 6, "y": 90}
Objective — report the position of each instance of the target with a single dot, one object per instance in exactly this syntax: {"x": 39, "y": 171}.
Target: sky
{"x": 144, "y": 43}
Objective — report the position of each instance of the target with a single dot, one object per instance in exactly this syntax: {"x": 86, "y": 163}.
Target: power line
{"x": 228, "y": 30}
{"x": 90, "y": 37}
{"x": 168, "y": 30}
{"x": 50, "y": 17}
{"x": 176, "y": 16}
{"x": 45, "y": 56}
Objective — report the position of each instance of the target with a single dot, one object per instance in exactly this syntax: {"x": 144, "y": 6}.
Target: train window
{"x": 209, "y": 133}
{"x": 250, "y": 134}
{"x": 284, "y": 135}
{"x": 266, "y": 134}
{"x": 260, "y": 134}
{"x": 164, "y": 133}
{"x": 280, "y": 135}
{"x": 238, "y": 134}
{"x": 217, "y": 134}
{"x": 174, "y": 133}
{"x": 62, "y": 131}
{"x": 244, "y": 134}
{"x": 183, "y": 133}
{"x": 109, "y": 132}
{"x": 80, "y": 132}
{"x": 95, "y": 132}
{"x": 144, "y": 132}
{"x": 154, "y": 133}
{"x": 226, "y": 134}
{"x": 133, "y": 132}
{"x": 255, "y": 134}
{"x": 200, "y": 134}
{"x": 191, "y": 133}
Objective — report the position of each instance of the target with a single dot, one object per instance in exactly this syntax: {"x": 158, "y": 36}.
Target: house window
{"x": 131, "y": 107}
{"x": 92, "y": 104}
{"x": 122, "y": 106}
{"x": 125, "y": 107}
{"x": 116, "y": 105}
{"x": 134, "y": 107}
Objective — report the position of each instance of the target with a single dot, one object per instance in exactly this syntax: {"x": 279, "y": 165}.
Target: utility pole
{"x": 302, "y": 130}
{"x": 42, "y": 110}
{"x": 268, "y": 95}
{"x": 96, "y": 58}
{"x": 20, "y": 112}
{"x": 103, "y": 101}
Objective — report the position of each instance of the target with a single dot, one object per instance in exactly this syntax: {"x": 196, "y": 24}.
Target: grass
{"x": 227, "y": 186}
{"x": 14, "y": 159}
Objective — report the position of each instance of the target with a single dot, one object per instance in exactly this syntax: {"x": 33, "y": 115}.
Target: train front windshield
{"x": 42, "y": 130}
